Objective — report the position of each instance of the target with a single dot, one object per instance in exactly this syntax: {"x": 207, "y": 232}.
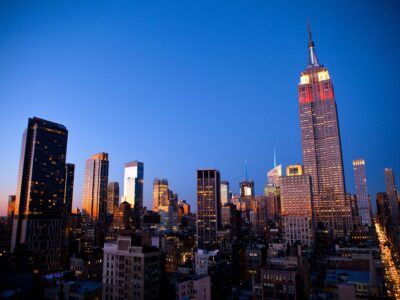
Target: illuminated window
{"x": 304, "y": 79}
{"x": 323, "y": 75}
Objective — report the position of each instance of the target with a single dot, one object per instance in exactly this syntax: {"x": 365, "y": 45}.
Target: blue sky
{"x": 182, "y": 85}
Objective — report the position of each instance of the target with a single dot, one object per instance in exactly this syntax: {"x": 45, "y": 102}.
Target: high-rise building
{"x": 69, "y": 187}
{"x": 208, "y": 208}
{"x": 94, "y": 200}
{"x": 10, "y": 209}
{"x": 5, "y": 245}
{"x": 133, "y": 184}
{"x": 161, "y": 199}
{"x": 39, "y": 200}
{"x": 225, "y": 193}
{"x": 247, "y": 189}
{"x": 383, "y": 209}
{"x": 321, "y": 145}
{"x": 131, "y": 272}
{"x": 296, "y": 209}
{"x": 112, "y": 197}
{"x": 273, "y": 202}
{"x": 391, "y": 192}
{"x": 121, "y": 217}
{"x": 363, "y": 203}
{"x": 273, "y": 175}
{"x": 172, "y": 219}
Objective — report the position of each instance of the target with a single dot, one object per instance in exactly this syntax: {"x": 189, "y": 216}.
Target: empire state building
{"x": 321, "y": 146}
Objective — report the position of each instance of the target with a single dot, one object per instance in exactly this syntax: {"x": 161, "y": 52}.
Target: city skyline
{"x": 223, "y": 156}
{"x": 160, "y": 161}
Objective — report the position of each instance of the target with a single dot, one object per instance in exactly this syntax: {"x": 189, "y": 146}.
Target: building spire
{"x": 274, "y": 158}
{"x": 312, "y": 56}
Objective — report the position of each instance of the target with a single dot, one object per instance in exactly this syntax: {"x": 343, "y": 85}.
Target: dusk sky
{"x": 182, "y": 85}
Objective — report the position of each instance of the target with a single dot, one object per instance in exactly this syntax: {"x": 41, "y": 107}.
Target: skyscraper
{"x": 121, "y": 217}
{"x": 161, "y": 195}
{"x": 273, "y": 202}
{"x": 208, "y": 208}
{"x": 112, "y": 197}
{"x": 94, "y": 200}
{"x": 273, "y": 175}
{"x": 40, "y": 192}
{"x": 363, "y": 203}
{"x": 296, "y": 208}
{"x": 10, "y": 209}
{"x": 9, "y": 220}
{"x": 321, "y": 145}
{"x": 247, "y": 189}
{"x": 133, "y": 184}
{"x": 225, "y": 193}
{"x": 391, "y": 192}
{"x": 69, "y": 187}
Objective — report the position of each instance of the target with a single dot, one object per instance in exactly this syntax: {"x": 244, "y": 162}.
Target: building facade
{"x": 391, "y": 192}
{"x": 130, "y": 272}
{"x": 363, "y": 202}
{"x": 10, "y": 209}
{"x": 321, "y": 145}
{"x": 94, "y": 200}
{"x": 112, "y": 197}
{"x": 225, "y": 192}
{"x": 273, "y": 175}
{"x": 161, "y": 195}
{"x": 193, "y": 287}
{"x": 69, "y": 187}
{"x": 296, "y": 209}
{"x": 208, "y": 208}
{"x": 39, "y": 200}
{"x": 133, "y": 184}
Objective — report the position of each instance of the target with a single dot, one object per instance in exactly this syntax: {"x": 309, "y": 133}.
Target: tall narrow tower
{"x": 320, "y": 137}
{"x": 133, "y": 184}
{"x": 161, "y": 195}
{"x": 94, "y": 200}
{"x": 69, "y": 187}
{"x": 208, "y": 208}
{"x": 391, "y": 192}
{"x": 112, "y": 197}
{"x": 363, "y": 203}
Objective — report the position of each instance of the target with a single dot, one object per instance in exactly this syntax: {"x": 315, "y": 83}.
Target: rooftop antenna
{"x": 312, "y": 56}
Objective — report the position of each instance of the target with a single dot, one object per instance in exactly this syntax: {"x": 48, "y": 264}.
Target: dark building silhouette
{"x": 69, "y": 187}
{"x": 208, "y": 208}
{"x": 112, "y": 197}
{"x": 10, "y": 209}
{"x": 391, "y": 192}
{"x": 39, "y": 202}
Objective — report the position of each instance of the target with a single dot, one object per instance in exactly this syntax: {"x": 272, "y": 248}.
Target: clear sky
{"x": 182, "y": 85}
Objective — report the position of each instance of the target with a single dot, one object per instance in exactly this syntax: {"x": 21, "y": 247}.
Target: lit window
{"x": 304, "y": 79}
{"x": 323, "y": 75}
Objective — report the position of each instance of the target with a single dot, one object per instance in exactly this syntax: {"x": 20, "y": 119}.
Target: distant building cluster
{"x": 305, "y": 237}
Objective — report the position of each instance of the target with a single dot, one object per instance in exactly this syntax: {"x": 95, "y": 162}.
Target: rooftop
{"x": 347, "y": 276}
